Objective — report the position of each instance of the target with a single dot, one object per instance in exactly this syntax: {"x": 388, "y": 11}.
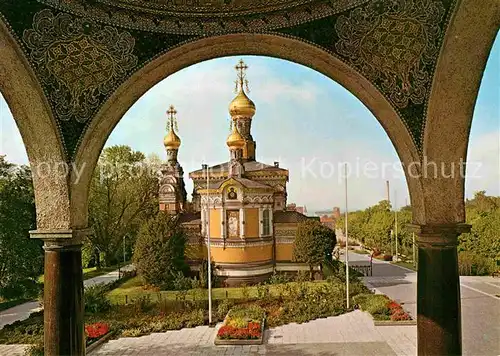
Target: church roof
{"x": 290, "y": 217}
{"x": 247, "y": 183}
{"x": 250, "y": 166}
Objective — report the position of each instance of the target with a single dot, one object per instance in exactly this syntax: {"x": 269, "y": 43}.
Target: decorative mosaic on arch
{"x": 79, "y": 60}
{"x": 394, "y": 44}
{"x": 202, "y": 17}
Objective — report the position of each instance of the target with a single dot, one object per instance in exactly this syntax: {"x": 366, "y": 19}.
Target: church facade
{"x": 240, "y": 204}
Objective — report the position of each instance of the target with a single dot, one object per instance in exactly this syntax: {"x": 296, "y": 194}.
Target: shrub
{"x": 278, "y": 278}
{"x": 203, "y": 274}
{"x": 34, "y": 350}
{"x": 245, "y": 292}
{"x": 302, "y": 276}
{"x": 159, "y": 250}
{"x": 313, "y": 243}
{"x": 182, "y": 282}
{"x": 263, "y": 292}
{"x": 95, "y": 301}
{"x": 142, "y": 304}
{"x": 223, "y": 308}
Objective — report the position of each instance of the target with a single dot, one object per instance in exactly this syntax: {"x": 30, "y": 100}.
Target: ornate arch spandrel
{"x": 454, "y": 91}
{"x": 37, "y": 127}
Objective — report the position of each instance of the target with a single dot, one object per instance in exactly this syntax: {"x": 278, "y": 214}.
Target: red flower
{"x": 95, "y": 331}
{"x": 393, "y": 306}
{"x": 252, "y": 331}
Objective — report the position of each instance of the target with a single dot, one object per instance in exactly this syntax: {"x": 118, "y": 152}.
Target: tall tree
{"x": 314, "y": 242}
{"x": 21, "y": 258}
{"x": 123, "y": 194}
{"x": 159, "y": 251}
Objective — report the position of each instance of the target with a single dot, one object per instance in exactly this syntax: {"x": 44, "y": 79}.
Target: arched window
{"x": 266, "y": 221}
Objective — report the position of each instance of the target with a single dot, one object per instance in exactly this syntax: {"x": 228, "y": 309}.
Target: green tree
{"x": 21, "y": 258}
{"x": 123, "y": 193}
{"x": 479, "y": 250}
{"x": 314, "y": 242}
{"x": 159, "y": 250}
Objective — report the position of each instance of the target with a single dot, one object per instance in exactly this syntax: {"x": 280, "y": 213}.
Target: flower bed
{"x": 96, "y": 334}
{"x": 384, "y": 310}
{"x": 243, "y": 325}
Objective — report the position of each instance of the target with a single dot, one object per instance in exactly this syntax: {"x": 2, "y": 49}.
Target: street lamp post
{"x": 205, "y": 167}
{"x": 346, "y": 241}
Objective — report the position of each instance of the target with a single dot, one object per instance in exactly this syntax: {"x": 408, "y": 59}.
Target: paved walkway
{"x": 347, "y": 334}
{"x": 480, "y": 305}
{"x": 23, "y": 311}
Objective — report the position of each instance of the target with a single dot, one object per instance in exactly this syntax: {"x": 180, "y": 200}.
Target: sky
{"x": 304, "y": 120}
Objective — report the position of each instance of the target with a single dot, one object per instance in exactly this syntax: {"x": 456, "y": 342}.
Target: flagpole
{"x": 346, "y": 240}
{"x": 208, "y": 251}
{"x": 396, "y": 221}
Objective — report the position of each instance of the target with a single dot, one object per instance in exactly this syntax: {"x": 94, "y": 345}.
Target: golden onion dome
{"x": 242, "y": 105}
{"x": 172, "y": 141}
{"x": 235, "y": 140}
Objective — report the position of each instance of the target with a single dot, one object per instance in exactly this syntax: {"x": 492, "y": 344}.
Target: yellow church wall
{"x": 241, "y": 255}
{"x": 215, "y": 219}
{"x": 284, "y": 252}
{"x": 252, "y": 222}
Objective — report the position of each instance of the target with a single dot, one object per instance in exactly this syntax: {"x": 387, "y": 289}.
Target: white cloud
{"x": 483, "y": 164}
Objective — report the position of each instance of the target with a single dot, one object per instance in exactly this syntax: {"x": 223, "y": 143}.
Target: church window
{"x": 266, "y": 221}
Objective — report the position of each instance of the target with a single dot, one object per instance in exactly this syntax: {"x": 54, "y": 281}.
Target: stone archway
{"x": 239, "y": 44}
{"x": 50, "y": 170}
{"x": 447, "y": 111}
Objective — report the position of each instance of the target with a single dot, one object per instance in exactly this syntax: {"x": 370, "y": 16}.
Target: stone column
{"x": 63, "y": 292}
{"x": 438, "y": 289}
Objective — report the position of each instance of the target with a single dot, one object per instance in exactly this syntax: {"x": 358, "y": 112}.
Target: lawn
{"x": 134, "y": 288}
{"x": 362, "y": 252}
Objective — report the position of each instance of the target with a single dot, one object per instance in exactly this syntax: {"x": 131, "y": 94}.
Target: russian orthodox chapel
{"x": 240, "y": 203}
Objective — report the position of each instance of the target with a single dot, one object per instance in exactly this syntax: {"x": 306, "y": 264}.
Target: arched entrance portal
{"x": 456, "y": 66}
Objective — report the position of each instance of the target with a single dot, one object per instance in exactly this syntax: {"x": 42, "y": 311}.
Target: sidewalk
{"x": 23, "y": 311}
{"x": 349, "y": 334}
{"x": 480, "y": 305}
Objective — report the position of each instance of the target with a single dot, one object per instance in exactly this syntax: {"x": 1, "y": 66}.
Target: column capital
{"x": 439, "y": 235}
{"x": 60, "y": 238}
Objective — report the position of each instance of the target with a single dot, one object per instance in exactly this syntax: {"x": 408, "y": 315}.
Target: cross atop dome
{"x": 172, "y": 119}
{"x": 241, "y": 80}
{"x": 172, "y": 141}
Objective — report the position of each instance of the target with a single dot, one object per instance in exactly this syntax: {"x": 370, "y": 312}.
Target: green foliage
{"x": 278, "y": 278}
{"x": 372, "y": 228}
{"x": 480, "y": 249}
{"x": 34, "y": 350}
{"x": 203, "y": 274}
{"x": 182, "y": 282}
{"x": 223, "y": 307}
{"x": 159, "y": 250}
{"x": 95, "y": 302}
{"x": 21, "y": 258}
{"x": 123, "y": 193}
{"x": 313, "y": 243}
{"x": 251, "y": 312}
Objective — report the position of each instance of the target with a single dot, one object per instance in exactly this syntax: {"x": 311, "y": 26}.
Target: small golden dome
{"x": 172, "y": 141}
{"x": 235, "y": 140}
{"x": 242, "y": 105}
